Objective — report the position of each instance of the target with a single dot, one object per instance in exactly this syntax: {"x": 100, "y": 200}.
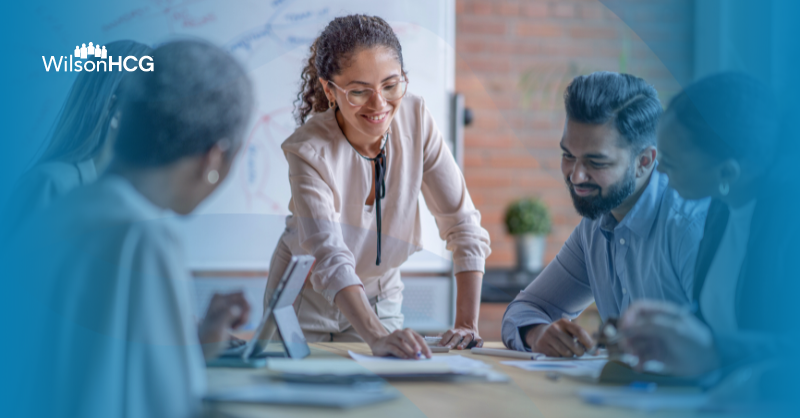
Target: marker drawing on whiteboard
{"x": 263, "y": 159}
{"x": 289, "y": 29}
{"x": 176, "y": 13}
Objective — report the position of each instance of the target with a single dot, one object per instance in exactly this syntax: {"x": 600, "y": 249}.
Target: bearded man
{"x": 638, "y": 238}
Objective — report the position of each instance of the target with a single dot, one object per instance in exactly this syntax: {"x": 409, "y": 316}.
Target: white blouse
{"x": 330, "y": 183}
{"x": 42, "y": 185}
{"x": 121, "y": 339}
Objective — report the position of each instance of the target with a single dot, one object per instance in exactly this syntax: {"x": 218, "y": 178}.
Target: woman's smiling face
{"x": 375, "y": 68}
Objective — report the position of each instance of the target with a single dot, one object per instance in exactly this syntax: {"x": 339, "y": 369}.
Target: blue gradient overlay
{"x": 757, "y": 37}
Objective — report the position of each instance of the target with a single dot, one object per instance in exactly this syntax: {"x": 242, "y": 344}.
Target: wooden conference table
{"x": 528, "y": 394}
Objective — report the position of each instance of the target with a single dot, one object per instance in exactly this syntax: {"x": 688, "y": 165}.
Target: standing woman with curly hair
{"x": 357, "y": 163}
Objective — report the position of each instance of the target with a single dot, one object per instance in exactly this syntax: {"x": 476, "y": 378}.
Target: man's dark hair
{"x": 196, "y": 95}
{"x": 628, "y": 102}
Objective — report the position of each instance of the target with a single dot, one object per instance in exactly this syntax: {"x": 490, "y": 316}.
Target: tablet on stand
{"x": 279, "y": 316}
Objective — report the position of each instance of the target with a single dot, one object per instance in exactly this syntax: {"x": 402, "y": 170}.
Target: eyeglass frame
{"x": 346, "y": 92}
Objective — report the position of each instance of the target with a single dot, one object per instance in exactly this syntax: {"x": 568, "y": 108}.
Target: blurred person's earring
{"x": 331, "y": 104}
{"x": 724, "y": 189}
{"x": 213, "y": 176}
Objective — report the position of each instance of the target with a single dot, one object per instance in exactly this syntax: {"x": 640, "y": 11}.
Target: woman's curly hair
{"x": 331, "y": 51}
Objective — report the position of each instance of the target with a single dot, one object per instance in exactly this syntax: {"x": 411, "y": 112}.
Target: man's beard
{"x": 593, "y": 207}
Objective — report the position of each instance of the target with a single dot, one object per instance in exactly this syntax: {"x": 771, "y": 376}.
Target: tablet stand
{"x": 294, "y": 342}
{"x": 280, "y": 317}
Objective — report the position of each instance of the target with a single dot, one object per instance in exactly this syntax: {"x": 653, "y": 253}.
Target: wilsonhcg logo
{"x": 92, "y": 51}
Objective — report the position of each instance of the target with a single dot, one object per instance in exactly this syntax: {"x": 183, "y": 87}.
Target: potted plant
{"x": 528, "y": 220}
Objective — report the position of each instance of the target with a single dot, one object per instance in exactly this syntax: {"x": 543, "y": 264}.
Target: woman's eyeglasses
{"x": 359, "y": 96}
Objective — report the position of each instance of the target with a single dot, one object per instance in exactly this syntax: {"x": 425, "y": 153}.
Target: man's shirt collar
{"x": 641, "y": 217}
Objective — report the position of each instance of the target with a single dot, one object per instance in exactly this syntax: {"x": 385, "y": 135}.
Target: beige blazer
{"x": 330, "y": 183}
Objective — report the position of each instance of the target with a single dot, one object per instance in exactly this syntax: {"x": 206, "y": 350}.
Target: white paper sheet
{"x": 584, "y": 357}
{"x": 577, "y": 368}
{"x": 438, "y": 363}
{"x": 527, "y": 355}
{"x": 456, "y": 362}
{"x": 312, "y": 367}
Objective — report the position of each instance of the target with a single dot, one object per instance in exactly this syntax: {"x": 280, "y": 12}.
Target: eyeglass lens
{"x": 393, "y": 91}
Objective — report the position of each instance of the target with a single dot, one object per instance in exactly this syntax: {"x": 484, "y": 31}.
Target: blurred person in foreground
{"x": 637, "y": 239}
{"x": 117, "y": 336}
{"x": 81, "y": 143}
{"x": 719, "y": 138}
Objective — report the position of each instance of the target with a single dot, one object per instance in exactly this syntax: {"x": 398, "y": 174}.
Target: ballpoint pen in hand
{"x": 590, "y": 350}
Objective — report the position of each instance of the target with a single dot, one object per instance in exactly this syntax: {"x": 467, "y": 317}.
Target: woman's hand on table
{"x": 460, "y": 338}
{"x": 405, "y": 344}
{"x": 468, "y": 306}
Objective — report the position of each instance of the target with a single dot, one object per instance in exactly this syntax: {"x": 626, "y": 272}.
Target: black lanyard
{"x": 380, "y": 193}
{"x": 380, "y": 186}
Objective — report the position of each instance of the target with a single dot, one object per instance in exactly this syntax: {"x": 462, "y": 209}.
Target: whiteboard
{"x": 238, "y": 227}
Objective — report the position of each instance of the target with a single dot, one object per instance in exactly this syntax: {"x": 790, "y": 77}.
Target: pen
{"x": 507, "y": 353}
{"x": 591, "y": 350}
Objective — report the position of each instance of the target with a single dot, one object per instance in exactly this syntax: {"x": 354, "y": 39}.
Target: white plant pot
{"x": 530, "y": 252}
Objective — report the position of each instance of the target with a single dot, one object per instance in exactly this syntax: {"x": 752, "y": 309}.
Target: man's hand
{"x": 562, "y": 338}
{"x": 225, "y": 312}
{"x": 668, "y": 339}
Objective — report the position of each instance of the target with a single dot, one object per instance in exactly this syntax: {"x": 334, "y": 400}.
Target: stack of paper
{"x": 338, "y": 367}
{"x": 392, "y": 367}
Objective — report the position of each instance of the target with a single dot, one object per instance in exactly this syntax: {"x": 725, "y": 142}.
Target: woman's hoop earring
{"x": 331, "y": 104}
{"x": 213, "y": 177}
{"x": 724, "y": 189}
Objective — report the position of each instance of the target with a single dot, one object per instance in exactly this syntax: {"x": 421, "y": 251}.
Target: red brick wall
{"x": 514, "y": 58}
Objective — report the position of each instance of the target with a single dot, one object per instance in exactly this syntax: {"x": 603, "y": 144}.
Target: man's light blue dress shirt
{"x": 650, "y": 254}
